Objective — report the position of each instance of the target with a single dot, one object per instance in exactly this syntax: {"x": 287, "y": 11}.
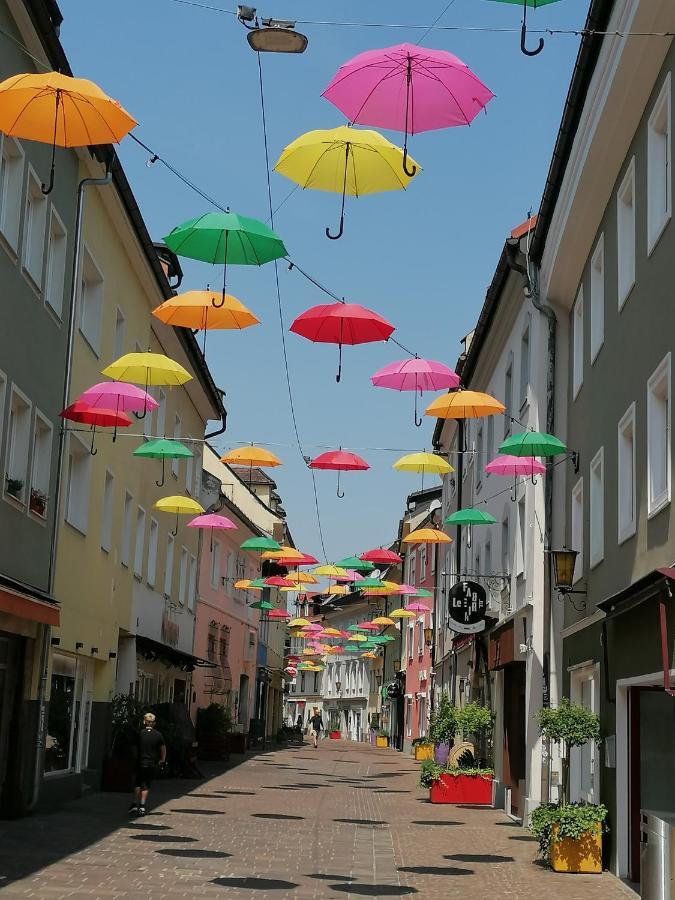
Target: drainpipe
{"x": 458, "y": 545}
{"x": 223, "y": 424}
{"x": 58, "y": 486}
{"x": 530, "y": 278}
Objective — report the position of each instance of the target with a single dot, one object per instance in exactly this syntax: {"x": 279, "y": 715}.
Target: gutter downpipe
{"x": 530, "y": 276}
{"x": 58, "y": 487}
{"x": 458, "y": 546}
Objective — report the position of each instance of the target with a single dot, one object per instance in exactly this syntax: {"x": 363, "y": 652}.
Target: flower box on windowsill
{"x": 38, "y": 503}
{"x": 470, "y": 790}
{"x": 14, "y": 489}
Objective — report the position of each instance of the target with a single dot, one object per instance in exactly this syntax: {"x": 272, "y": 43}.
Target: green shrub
{"x": 570, "y": 725}
{"x": 573, "y": 821}
{"x": 474, "y": 718}
{"x": 443, "y": 724}
{"x": 213, "y": 721}
{"x": 431, "y": 772}
{"x": 420, "y": 740}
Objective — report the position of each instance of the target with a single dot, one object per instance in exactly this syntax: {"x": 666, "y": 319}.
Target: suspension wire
{"x": 435, "y": 22}
{"x": 293, "y": 265}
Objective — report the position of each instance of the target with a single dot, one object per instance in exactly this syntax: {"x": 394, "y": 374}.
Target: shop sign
{"x": 393, "y": 690}
{"x": 170, "y": 631}
{"x": 468, "y": 605}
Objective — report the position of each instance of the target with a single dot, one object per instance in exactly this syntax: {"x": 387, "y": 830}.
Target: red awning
{"x": 24, "y": 607}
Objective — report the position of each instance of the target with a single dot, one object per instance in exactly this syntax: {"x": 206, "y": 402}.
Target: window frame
{"x": 22, "y": 475}
{"x": 662, "y": 104}
{"x": 597, "y": 294}
{"x": 662, "y": 371}
{"x": 577, "y": 504}
{"x": 153, "y": 547}
{"x": 139, "y": 542}
{"x": 33, "y": 191}
{"x": 125, "y": 538}
{"x": 107, "y": 511}
{"x": 596, "y": 552}
{"x": 81, "y": 526}
{"x": 625, "y": 531}
{"x": 625, "y": 276}
{"x": 525, "y": 363}
{"x": 11, "y": 240}
{"x": 578, "y": 343}
{"x": 92, "y": 341}
{"x": 34, "y": 477}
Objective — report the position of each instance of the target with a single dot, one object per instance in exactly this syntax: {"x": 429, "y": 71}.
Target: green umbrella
{"x": 532, "y": 443}
{"x": 352, "y": 648}
{"x": 260, "y": 544}
{"x": 369, "y": 645}
{"x": 382, "y": 639}
{"x": 258, "y": 583}
{"x": 422, "y": 592}
{"x": 533, "y": 4}
{"x": 163, "y": 449}
{"x": 356, "y": 564}
{"x": 470, "y": 517}
{"x": 356, "y": 628}
{"x": 367, "y": 583}
{"x": 261, "y": 604}
{"x": 225, "y": 237}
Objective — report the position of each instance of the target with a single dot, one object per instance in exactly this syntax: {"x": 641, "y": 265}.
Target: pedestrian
{"x": 150, "y": 752}
{"x": 315, "y": 726}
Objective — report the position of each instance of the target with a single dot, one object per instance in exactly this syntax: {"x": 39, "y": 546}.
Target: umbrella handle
{"x": 514, "y": 495}
{"x": 160, "y": 483}
{"x": 175, "y": 530}
{"x": 218, "y": 305}
{"x": 339, "y": 371}
{"x": 93, "y": 437}
{"x": 340, "y": 494}
{"x": 523, "y": 35}
{"x": 417, "y": 423}
{"x": 409, "y": 172}
{"x": 335, "y": 237}
{"x": 48, "y": 188}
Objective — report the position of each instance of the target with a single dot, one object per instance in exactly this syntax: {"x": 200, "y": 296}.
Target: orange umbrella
{"x": 427, "y": 536}
{"x": 203, "y": 310}
{"x": 252, "y": 457}
{"x": 464, "y": 405}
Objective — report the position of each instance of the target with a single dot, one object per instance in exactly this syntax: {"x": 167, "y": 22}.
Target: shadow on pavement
{"x": 435, "y": 870}
{"x": 361, "y": 821}
{"x": 374, "y": 890}
{"x": 190, "y": 854}
{"x": 256, "y": 884}
{"x": 164, "y": 838}
{"x": 275, "y": 816}
{"x": 436, "y": 822}
{"x": 479, "y": 857}
{"x": 322, "y": 877}
{"x": 199, "y": 812}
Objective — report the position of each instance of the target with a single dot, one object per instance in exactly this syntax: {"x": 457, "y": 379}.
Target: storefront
{"x": 510, "y": 727}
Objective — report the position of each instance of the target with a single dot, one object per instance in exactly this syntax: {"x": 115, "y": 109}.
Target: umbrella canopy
{"x": 417, "y": 607}
{"x": 338, "y": 590}
{"x": 205, "y": 310}
{"x": 426, "y": 463}
{"x": 341, "y": 323}
{"x": 329, "y": 571}
{"x": 332, "y": 632}
{"x": 344, "y": 161}
{"x": 279, "y": 614}
{"x": 298, "y": 623}
{"x": 423, "y": 592}
{"x": 355, "y": 564}
{"x": 180, "y": 506}
{"x": 407, "y": 589}
{"x": 147, "y": 368}
{"x": 369, "y": 655}
{"x": 339, "y": 461}
{"x": 515, "y": 465}
{"x": 301, "y": 578}
{"x": 427, "y": 536}
{"x": 251, "y": 456}
{"x": 367, "y": 584}
{"x": 383, "y": 621}
{"x": 162, "y": 449}
{"x": 242, "y": 584}
{"x": 305, "y": 559}
{"x": 278, "y": 581}
{"x": 119, "y": 396}
{"x": 258, "y": 584}
{"x": 260, "y": 543}
{"x": 408, "y": 88}
{"x": 62, "y": 111}
{"x": 401, "y": 614}
{"x": 533, "y": 443}
{"x": 284, "y": 555}
{"x": 470, "y": 517}
{"x": 367, "y": 626}
{"x": 214, "y": 522}
{"x": 381, "y": 557}
{"x": 416, "y": 375}
{"x": 533, "y": 4}
{"x": 464, "y": 405}
{"x": 351, "y": 576}
{"x": 357, "y": 638}
{"x": 261, "y": 604}
{"x": 82, "y": 412}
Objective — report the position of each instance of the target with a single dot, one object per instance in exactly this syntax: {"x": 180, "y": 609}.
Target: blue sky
{"x": 423, "y": 259}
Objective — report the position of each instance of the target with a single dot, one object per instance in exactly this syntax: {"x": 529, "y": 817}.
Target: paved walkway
{"x": 346, "y": 821}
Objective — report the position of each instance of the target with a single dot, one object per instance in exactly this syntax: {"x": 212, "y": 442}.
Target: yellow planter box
{"x": 580, "y": 855}
{"x": 381, "y": 741}
{"x": 423, "y": 751}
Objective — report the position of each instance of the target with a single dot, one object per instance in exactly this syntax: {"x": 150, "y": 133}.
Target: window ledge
{"x": 34, "y": 286}
{"x": 36, "y": 517}
{"x": 89, "y": 343}
{"x": 9, "y": 249}
{"x": 658, "y": 506}
{"x": 53, "y": 314}
{"x": 652, "y": 243}
{"x": 596, "y": 562}
{"x": 13, "y": 501}
{"x": 627, "y": 534}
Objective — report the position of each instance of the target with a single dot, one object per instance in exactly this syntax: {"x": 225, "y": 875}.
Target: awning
{"x": 152, "y": 650}
{"x": 656, "y": 583}
{"x": 23, "y": 606}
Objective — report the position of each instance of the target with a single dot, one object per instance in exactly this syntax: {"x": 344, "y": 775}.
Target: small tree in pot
{"x": 442, "y": 728}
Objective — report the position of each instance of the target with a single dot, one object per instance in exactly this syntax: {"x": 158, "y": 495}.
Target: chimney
{"x": 279, "y": 532}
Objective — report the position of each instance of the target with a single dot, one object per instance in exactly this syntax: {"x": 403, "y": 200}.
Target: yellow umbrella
{"x": 242, "y": 584}
{"x": 464, "y": 405}
{"x": 62, "y": 111}
{"x": 298, "y": 623}
{"x": 426, "y": 463}
{"x": 308, "y": 652}
{"x": 204, "y": 310}
{"x": 383, "y": 621}
{"x": 147, "y": 368}
{"x": 332, "y": 632}
{"x": 344, "y": 161}
{"x": 357, "y": 638}
{"x": 402, "y": 614}
{"x": 287, "y": 553}
{"x": 338, "y": 590}
{"x": 180, "y": 506}
{"x": 251, "y": 456}
{"x": 330, "y": 571}
{"x": 369, "y": 655}
{"x": 427, "y": 536}
{"x": 301, "y": 578}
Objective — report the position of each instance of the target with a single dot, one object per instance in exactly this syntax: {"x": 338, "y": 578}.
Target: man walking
{"x": 315, "y": 726}
{"x": 150, "y": 750}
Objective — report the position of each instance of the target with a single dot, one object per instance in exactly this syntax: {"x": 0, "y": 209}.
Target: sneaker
{"x": 133, "y": 809}
{"x": 141, "y": 810}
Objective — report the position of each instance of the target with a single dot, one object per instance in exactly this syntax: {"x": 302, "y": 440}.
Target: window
{"x": 508, "y": 396}
{"x": 420, "y": 637}
{"x": 183, "y": 576}
{"x": 192, "y": 587}
{"x": 316, "y": 682}
{"x": 413, "y": 568}
{"x": 658, "y": 438}
{"x": 168, "y": 566}
{"x": 408, "y": 716}
{"x": 41, "y": 467}
{"x": 139, "y": 547}
{"x": 126, "y": 528}
{"x": 56, "y": 263}
{"x": 423, "y": 562}
{"x": 578, "y": 343}
{"x": 433, "y": 559}
{"x": 215, "y": 564}
{"x": 489, "y": 443}
{"x": 197, "y": 472}
{"x": 411, "y": 639}
{"x": 68, "y": 720}
{"x": 302, "y": 682}
{"x": 506, "y": 546}
{"x": 79, "y": 477}
{"x": 152, "y": 552}
{"x": 176, "y": 437}
{"x": 626, "y": 475}
{"x": 161, "y": 413}
{"x": 578, "y": 528}
{"x": 598, "y": 298}
{"x": 91, "y": 301}
{"x": 596, "y": 498}
{"x": 11, "y": 187}
{"x": 658, "y": 167}
{"x": 18, "y": 446}
{"x": 522, "y": 534}
{"x": 34, "y": 226}
{"x": 189, "y": 482}
{"x": 107, "y": 511}
{"x": 625, "y": 224}
{"x": 524, "y": 364}
{"x": 118, "y": 349}
{"x": 480, "y": 462}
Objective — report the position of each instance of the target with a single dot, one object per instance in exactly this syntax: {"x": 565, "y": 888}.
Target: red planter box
{"x": 474, "y": 790}
{"x": 334, "y": 735}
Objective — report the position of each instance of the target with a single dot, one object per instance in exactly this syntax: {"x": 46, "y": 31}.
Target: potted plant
{"x": 37, "y": 502}
{"x": 334, "y": 734}
{"x": 382, "y": 739}
{"x": 442, "y": 728}
{"x": 214, "y": 723}
{"x": 14, "y": 486}
{"x": 457, "y": 784}
{"x": 570, "y": 834}
{"x": 422, "y": 748}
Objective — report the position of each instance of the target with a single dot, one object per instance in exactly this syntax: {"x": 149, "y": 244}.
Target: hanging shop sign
{"x": 468, "y": 604}
{"x": 393, "y": 690}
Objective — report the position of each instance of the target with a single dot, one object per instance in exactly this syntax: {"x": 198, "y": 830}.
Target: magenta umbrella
{"x": 407, "y": 589}
{"x": 417, "y": 607}
{"x": 526, "y": 466}
{"x": 416, "y": 375}
{"x": 120, "y": 396}
{"x": 212, "y": 521}
{"x": 408, "y": 88}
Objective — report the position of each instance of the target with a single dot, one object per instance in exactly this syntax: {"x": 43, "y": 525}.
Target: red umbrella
{"x": 94, "y": 415}
{"x": 381, "y": 557}
{"x": 341, "y": 323}
{"x": 279, "y": 581}
{"x": 339, "y": 461}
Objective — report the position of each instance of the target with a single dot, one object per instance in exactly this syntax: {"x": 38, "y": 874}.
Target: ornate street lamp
{"x": 397, "y": 665}
{"x": 428, "y": 636}
{"x": 563, "y": 573}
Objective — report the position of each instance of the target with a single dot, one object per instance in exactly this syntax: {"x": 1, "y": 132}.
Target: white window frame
{"x": 107, "y": 510}
{"x": 508, "y": 395}
{"x": 55, "y": 268}
{"x": 11, "y": 152}
{"x": 32, "y": 267}
{"x": 183, "y": 575}
{"x": 625, "y": 219}
{"x": 577, "y": 529}
{"x": 127, "y": 516}
{"x": 168, "y": 565}
{"x": 525, "y": 362}
{"x": 139, "y": 542}
{"x": 153, "y": 545}
{"x": 18, "y": 467}
{"x": 78, "y": 524}
{"x": 597, "y": 310}
{"x": 661, "y": 373}
{"x": 659, "y": 141}
{"x": 626, "y": 526}
{"x": 192, "y": 583}
{"x": 40, "y": 480}
{"x": 578, "y": 343}
{"x": 93, "y": 340}
{"x": 596, "y": 517}
{"x": 521, "y": 549}
{"x": 119, "y": 335}
{"x": 215, "y": 564}
{"x": 578, "y": 675}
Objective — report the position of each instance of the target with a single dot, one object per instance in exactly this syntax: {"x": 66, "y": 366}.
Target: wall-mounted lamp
{"x": 79, "y": 645}
{"x": 397, "y": 665}
{"x": 94, "y": 650}
{"x": 55, "y": 641}
{"x": 112, "y": 655}
{"x": 563, "y": 574}
{"x": 428, "y": 636}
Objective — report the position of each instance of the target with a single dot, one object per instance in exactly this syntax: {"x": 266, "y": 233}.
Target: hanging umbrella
{"x": 408, "y": 88}
{"x": 383, "y": 639}
{"x": 120, "y": 396}
{"x": 534, "y": 4}
{"x": 227, "y": 238}
{"x": 163, "y": 449}
{"x": 427, "y": 536}
{"x": 278, "y": 581}
{"x": 62, "y": 111}
{"x": 181, "y": 506}
{"x": 523, "y": 466}
{"x": 344, "y": 161}
{"x": 338, "y": 590}
{"x": 423, "y": 592}
{"x": 243, "y": 584}
{"x": 261, "y": 604}
{"x": 401, "y": 614}
{"x": 279, "y": 614}
{"x": 148, "y": 369}
{"x": 81, "y": 412}
{"x": 329, "y": 571}
{"x": 284, "y": 556}
{"x": 258, "y": 584}
{"x": 351, "y": 576}
{"x": 260, "y": 544}
{"x": 369, "y": 655}
{"x": 341, "y": 323}
{"x": 339, "y": 461}
{"x": 301, "y": 578}
{"x": 416, "y": 375}
{"x": 367, "y": 626}
{"x": 205, "y": 310}
{"x": 305, "y": 559}
{"x": 407, "y": 589}
{"x": 381, "y": 557}
{"x": 355, "y": 564}
{"x": 367, "y": 584}
{"x": 533, "y": 443}
{"x": 332, "y": 632}
{"x": 212, "y": 521}
{"x": 424, "y": 463}
{"x": 417, "y": 607}
{"x": 251, "y": 456}
{"x": 383, "y": 621}
{"x": 470, "y": 517}
{"x": 464, "y": 405}
{"x": 357, "y": 638}
{"x": 298, "y": 623}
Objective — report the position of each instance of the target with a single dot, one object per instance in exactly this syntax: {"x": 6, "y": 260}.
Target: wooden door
{"x": 514, "y": 733}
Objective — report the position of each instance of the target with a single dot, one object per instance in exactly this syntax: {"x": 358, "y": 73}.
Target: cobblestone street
{"x": 344, "y": 821}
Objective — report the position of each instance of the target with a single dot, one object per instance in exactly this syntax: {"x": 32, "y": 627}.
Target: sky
{"x": 422, "y": 258}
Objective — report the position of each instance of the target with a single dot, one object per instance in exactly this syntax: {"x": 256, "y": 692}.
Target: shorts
{"x": 144, "y": 776}
{"x": 313, "y": 733}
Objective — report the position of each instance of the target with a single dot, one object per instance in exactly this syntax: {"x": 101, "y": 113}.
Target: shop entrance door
{"x": 514, "y": 734}
{"x": 10, "y": 657}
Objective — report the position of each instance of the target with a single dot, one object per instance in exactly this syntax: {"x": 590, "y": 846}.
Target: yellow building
{"x": 125, "y": 583}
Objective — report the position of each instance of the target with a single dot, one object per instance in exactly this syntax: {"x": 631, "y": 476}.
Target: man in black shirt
{"x": 150, "y": 750}
{"x": 315, "y": 726}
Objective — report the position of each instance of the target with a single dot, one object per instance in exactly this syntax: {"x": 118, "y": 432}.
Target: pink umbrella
{"x": 212, "y": 521}
{"x": 278, "y": 581}
{"x": 120, "y": 396}
{"x": 352, "y": 575}
{"x": 416, "y": 375}
{"x": 407, "y": 589}
{"x": 339, "y": 461}
{"x": 313, "y": 627}
{"x": 416, "y": 607}
{"x": 367, "y": 626}
{"x": 526, "y": 466}
{"x": 408, "y": 88}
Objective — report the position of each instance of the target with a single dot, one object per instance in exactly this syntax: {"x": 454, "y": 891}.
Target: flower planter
{"x": 423, "y": 751}
{"x": 472, "y": 790}
{"x": 441, "y": 753}
{"x": 334, "y": 735}
{"x": 381, "y": 741}
{"x": 583, "y": 854}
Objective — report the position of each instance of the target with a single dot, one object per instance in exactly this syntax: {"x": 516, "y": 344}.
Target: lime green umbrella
{"x": 532, "y": 443}
{"x": 258, "y": 583}
{"x": 369, "y": 645}
{"x": 533, "y": 4}
{"x": 226, "y": 237}
{"x": 262, "y": 604}
{"x": 422, "y": 592}
{"x": 381, "y": 639}
{"x": 367, "y": 584}
{"x": 356, "y": 628}
{"x": 353, "y": 648}
{"x": 470, "y": 516}
{"x": 355, "y": 564}
{"x": 260, "y": 544}
{"x": 163, "y": 449}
